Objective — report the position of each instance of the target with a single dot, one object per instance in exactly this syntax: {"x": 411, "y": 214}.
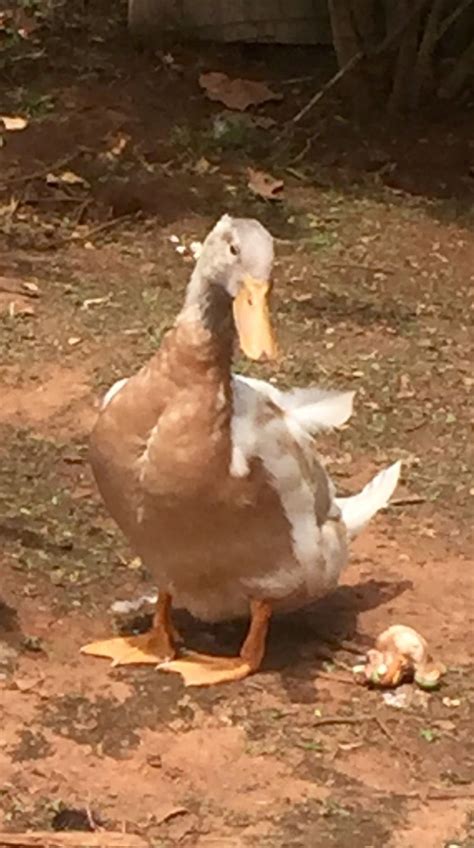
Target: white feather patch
{"x": 359, "y": 509}
{"x": 114, "y": 390}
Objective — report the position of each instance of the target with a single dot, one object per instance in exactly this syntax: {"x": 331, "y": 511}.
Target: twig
{"x": 334, "y": 678}
{"x": 452, "y": 18}
{"x": 321, "y": 722}
{"x": 416, "y": 426}
{"x": 328, "y": 657}
{"x": 327, "y": 86}
{"x": 342, "y": 644}
{"x": 374, "y": 269}
{"x": 92, "y": 232}
{"x": 388, "y": 41}
{"x": 383, "y": 727}
{"x": 71, "y": 839}
{"x": 296, "y": 80}
{"x": 299, "y": 156}
{"x": 12, "y": 209}
{"x": 449, "y": 796}
{"x": 81, "y": 209}
{"x": 407, "y": 501}
{"x": 42, "y": 172}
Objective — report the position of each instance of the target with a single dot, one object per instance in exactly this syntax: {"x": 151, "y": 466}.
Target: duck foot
{"x": 152, "y": 648}
{"x": 147, "y": 648}
{"x": 204, "y": 670}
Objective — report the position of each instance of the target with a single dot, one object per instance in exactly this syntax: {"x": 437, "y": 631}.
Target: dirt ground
{"x": 373, "y": 291}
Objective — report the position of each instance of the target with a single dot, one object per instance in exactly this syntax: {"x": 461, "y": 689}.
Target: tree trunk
{"x": 406, "y": 58}
{"x": 365, "y": 18}
{"x": 455, "y": 81}
{"x": 423, "y": 75}
{"x": 346, "y": 45}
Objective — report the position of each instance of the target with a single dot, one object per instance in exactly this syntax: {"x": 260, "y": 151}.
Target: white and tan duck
{"x": 214, "y": 478}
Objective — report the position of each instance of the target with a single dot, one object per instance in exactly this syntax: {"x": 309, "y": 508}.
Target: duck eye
{"x": 234, "y": 250}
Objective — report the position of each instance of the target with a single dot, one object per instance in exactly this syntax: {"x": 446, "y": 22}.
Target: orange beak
{"x": 252, "y": 320}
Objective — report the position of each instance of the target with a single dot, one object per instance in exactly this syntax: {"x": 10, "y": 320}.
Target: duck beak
{"x": 252, "y": 320}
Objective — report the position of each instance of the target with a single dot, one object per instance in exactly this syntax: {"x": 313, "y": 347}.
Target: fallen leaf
{"x": 167, "y": 814}
{"x": 13, "y": 123}
{"x": 65, "y": 178}
{"x": 203, "y": 166}
{"x": 119, "y": 145}
{"x": 445, "y": 724}
{"x": 263, "y": 122}
{"x": 12, "y": 306}
{"x": 237, "y": 93}
{"x": 26, "y": 683}
{"x": 406, "y": 388}
{"x": 95, "y": 301}
{"x": 264, "y": 185}
{"x": 14, "y": 286}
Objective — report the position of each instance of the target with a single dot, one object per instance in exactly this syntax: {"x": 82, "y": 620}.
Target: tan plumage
{"x": 214, "y": 478}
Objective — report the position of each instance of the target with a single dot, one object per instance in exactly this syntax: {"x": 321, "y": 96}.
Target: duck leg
{"x": 204, "y": 670}
{"x": 156, "y": 646}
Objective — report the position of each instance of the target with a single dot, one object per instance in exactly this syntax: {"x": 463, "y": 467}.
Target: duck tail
{"x": 359, "y": 509}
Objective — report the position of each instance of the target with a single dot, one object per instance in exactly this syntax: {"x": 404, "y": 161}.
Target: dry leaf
{"x": 161, "y": 816}
{"x": 13, "y": 122}
{"x": 27, "y": 683}
{"x": 95, "y": 301}
{"x": 264, "y": 185}
{"x": 406, "y": 388}
{"x": 236, "y": 94}
{"x": 65, "y": 178}
{"x": 15, "y": 305}
{"x": 203, "y": 166}
{"x": 12, "y": 285}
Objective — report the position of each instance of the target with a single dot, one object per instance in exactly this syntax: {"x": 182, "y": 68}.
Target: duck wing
{"x": 302, "y": 413}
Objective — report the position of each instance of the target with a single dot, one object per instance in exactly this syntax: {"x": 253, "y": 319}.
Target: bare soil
{"x": 373, "y": 291}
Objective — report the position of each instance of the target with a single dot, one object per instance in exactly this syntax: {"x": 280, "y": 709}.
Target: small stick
{"x": 449, "y": 796}
{"x": 375, "y": 269}
{"x": 71, "y": 839}
{"x": 345, "y": 646}
{"x": 407, "y": 501}
{"x": 299, "y": 156}
{"x": 354, "y": 60}
{"x": 452, "y": 18}
{"x": 390, "y": 39}
{"x": 328, "y": 657}
{"x": 321, "y": 722}
{"x": 383, "y": 727}
{"x": 335, "y": 678}
{"x": 93, "y": 231}
{"x": 296, "y": 80}
{"x": 417, "y": 426}
{"x": 42, "y": 172}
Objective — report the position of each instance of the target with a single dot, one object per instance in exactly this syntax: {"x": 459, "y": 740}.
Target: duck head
{"x": 237, "y": 259}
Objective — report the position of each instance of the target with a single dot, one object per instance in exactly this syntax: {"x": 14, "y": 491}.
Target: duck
{"x": 214, "y": 477}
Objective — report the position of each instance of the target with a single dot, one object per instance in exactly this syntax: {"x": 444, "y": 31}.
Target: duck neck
{"x": 207, "y": 314}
